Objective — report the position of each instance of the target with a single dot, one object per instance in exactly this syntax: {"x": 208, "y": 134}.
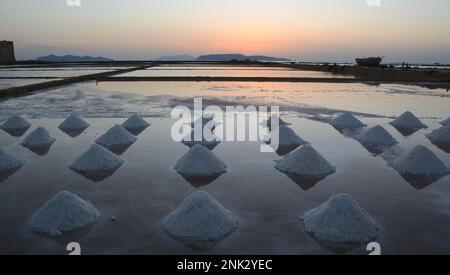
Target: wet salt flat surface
{"x": 8, "y": 74}
{"x": 142, "y": 192}
{"x": 9, "y": 83}
{"x": 223, "y": 71}
{"x": 146, "y": 188}
{"x": 156, "y": 99}
{"x": 48, "y": 73}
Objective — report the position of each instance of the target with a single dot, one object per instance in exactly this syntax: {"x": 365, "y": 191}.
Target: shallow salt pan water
{"x": 9, "y": 74}
{"x": 266, "y": 202}
{"x": 156, "y": 99}
{"x": 307, "y": 99}
{"x": 15, "y": 71}
{"x": 249, "y": 71}
{"x": 11, "y": 82}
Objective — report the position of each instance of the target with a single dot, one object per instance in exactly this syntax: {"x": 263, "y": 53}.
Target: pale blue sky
{"x": 332, "y": 30}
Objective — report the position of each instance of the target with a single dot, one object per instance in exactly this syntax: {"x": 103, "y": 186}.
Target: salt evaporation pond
{"x": 200, "y": 222}
{"x": 6, "y": 83}
{"x": 227, "y": 71}
{"x": 266, "y": 202}
{"x": 53, "y": 71}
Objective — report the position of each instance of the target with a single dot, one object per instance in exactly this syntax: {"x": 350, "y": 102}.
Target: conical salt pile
{"x": 63, "y": 214}
{"x": 421, "y": 162}
{"x": 445, "y": 122}
{"x": 306, "y": 163}
{"x": 205, "y": 121}
{"x": 9, "y": 162}
{"x": 287, "y": 137}
{"x": 15, "y": 122}
{"x": 73, "y": 125}
{"x": 135, "y": 124}
{"x": 199, "y": 162}
{"x": 117, "y": 139}
{"x": 288, "y": 140}
{"x": 97, "y": 163}
{"x": 377, "y": 137}
{"x": 341, "y": 224}
{"x": 407, "y": 123}
{"x": 15, "y": 126}
{"x": 190, "y": 141}
{"x": 39, "y": 141}
{"x": 200, "y": 222}
{"x": 8, "y": 165}
{"x": 268, "y": 123}
{"x": 347, "y": 121}
{"x": 441, "y": 135}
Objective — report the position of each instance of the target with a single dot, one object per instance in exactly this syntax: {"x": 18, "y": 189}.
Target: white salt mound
{"x": 441, "y": 135}
{"x": 73, "y": 123}
{"x": 200, "y": 162}
{"x": 9, "y": 162}
{"x": 96, "y": 159}
{"x": 305, "y": 162}
{"x": 347, "y": 121}
{"x": 445, "y": 122}
{"x": 116, "y": 136}
{"x": 420, "y": 161}
{"x": 341, "y": 221}
{"x": 377, "y": 136}
{"x": 135, "y": 123}
{"x": 38, "y": 138}
{"x": 63, "y": 214}
{"x": 268, "y": 122}
{"x": 200, "y": 218}
{"x": 205, "y": 121}
{"x": 287, "y": 137}
{"x": 408, "y": 121}
{"x": 190, "y": 141}
{"x": 15, "y": 123}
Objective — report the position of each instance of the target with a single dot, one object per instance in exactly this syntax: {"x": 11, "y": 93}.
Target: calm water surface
{"x": 224, "y": 71}
{"x": 11, "y": 82}
{"x": 146, "y": 188}
{"x": 47, "y": 73}
{"x": 303, "y": 98}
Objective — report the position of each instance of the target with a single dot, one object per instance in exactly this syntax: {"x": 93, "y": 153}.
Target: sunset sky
{"x": 309, "y": 30}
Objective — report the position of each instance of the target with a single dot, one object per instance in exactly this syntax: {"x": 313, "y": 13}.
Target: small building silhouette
{"x": 7, "y": 52}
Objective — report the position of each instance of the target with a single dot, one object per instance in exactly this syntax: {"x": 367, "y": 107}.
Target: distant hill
{"x": 72, "y": 58}
{"x": 176, "y": 58}
{"x": 238, "y": 57}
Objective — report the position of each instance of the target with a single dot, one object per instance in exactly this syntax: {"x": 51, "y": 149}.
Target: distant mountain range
{"x": 176, "y": 58}
{"x": 211, "y": 57}
{"x": 221, "y": 57}
{"x": 72, "y": 58}
{"x": 238, "y": 57}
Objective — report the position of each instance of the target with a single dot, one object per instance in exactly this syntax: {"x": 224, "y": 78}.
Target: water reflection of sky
{"x": 224, "y": 71}
{"x": 384, "y": 100}
{"x": 267, "y": 203}
{"x": 156, "y": 99}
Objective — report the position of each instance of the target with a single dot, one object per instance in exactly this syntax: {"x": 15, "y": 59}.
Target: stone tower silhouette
{"x": 7, "y": 52}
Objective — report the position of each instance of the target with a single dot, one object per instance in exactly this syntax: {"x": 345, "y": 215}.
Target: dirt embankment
{"x": 381, "y": 73}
